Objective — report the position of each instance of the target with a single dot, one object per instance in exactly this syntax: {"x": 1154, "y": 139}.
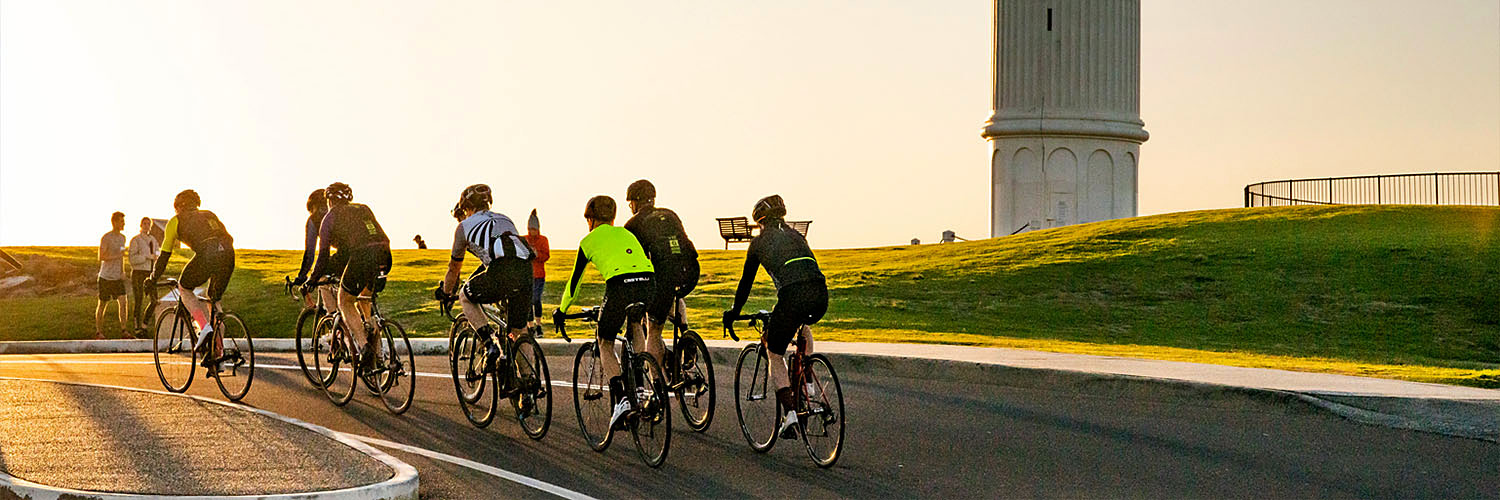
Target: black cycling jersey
{"x": 662, "y": 236}
{"x": 347, "y": 227}
{"x": 784, "y": 253}
{"x": 200, "y": 230}
{"x": 310, "y": 241}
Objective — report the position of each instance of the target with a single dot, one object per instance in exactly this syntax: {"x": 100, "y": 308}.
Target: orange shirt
{"x": 543, "y": 252}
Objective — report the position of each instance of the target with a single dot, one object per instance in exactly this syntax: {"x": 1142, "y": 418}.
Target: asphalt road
{"x": 906, "y": 438}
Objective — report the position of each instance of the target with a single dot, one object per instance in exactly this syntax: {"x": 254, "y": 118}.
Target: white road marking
{"x": 487, "y": 469}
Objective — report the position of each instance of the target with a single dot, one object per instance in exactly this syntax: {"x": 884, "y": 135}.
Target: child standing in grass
{"x": 538, "y": 270}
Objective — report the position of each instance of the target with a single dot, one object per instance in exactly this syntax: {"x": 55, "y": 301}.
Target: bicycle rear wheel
{"x": 754, "y": 399}
{"x": 695, "y": 380}
{"x": 466, "y": 364}
{"x": 319, "y": 355}
{"x": 172, "y": 349}
{"x": 591, "y": 397}
{"x": 398, "y": 379}
{"x": 237, "y": 366}
{"x": 341, "y": 381}
{"x": 823, "y": 429}
{"x": 652, "y": 426}
{"x": 533, "y": 397}
{"x": 307, "y": 322}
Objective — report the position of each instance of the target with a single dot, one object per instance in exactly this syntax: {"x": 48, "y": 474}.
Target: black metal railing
{"x": 1450, "y": 188}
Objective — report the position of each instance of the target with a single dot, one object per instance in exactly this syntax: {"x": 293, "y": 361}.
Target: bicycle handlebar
{"x": 588, "y": 315}
{"x": 760, "y": 317}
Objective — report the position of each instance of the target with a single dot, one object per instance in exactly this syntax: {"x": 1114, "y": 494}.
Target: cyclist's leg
{"x": 330, "y": 296}
{"x": 515, "y": 276}
{"x": 194, "y": 274}
{"x": 351, "y": 285}
{"x": 658, "y": 307}
{"x": 481, "y": 288}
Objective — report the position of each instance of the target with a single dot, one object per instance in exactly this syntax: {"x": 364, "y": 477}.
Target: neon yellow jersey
{"x": 613, "y": 251}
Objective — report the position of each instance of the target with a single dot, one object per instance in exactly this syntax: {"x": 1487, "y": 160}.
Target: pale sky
{"x": 864, "y": 114}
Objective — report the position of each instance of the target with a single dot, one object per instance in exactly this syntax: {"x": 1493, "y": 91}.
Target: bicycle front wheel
{"x": 823, "y": 429}
{"x": 695, "y": 380}
{"x": 755, "y": 399}
{"x": 398, "y": 377}
{"x": 307, "y": 322}
{"x": 591, "y": 397}
{"x": 533, "y": 396}
{"x": 466, "y": 364}
{"x": 236, "y": 368}
{"x": 652, "y": 427}
{"x": 172, "y": 348}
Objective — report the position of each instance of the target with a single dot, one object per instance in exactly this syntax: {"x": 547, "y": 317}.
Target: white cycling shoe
{"x": 621, "y": 408}
{"x": 789, "y": 425}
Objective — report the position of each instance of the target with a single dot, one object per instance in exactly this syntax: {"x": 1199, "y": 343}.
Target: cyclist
{"x": 213, "y": 263}
{"x": 505, "y": 259}
{"x": 672, "y": 255}
{"x": 801, "y": 293}
{"x": 627, "y": 272}
{"x": 352, "y": 228}
{"x": 317, "y": 209}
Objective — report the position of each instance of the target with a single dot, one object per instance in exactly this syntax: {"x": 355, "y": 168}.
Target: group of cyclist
{"x": 649, "y": 260}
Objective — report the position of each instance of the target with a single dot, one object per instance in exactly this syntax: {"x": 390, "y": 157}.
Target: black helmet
{"x": 316, "y": 201}
{"x": 600, "y": 208}
{"x": 339, "y": 192}
{"x": 770, "y": 206}
{"x": 640, "y": 190}
{"x": 186, "y": 200}
{"x": 476, "y": 198}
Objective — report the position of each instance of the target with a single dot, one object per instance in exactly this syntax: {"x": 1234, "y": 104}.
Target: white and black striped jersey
{"x": 481, "y": 234}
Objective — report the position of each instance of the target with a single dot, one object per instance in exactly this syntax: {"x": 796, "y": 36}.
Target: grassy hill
{"x": 1395, "y": 291}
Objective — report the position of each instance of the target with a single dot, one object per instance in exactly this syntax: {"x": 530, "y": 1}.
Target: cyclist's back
{"x": 353, "y": 230}
{"x": 506, "y": 257}
{"x": 213, "y": 262}
{"x": 801, "y": 290}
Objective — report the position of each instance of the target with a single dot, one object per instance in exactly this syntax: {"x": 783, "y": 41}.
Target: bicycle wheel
{"x": 398, "y": 379}
{"x": 341, "y": 381}
{"x": 469, "y": 379}
{"x": 320, "y": 356}
{"x": 172, "y": 348}
{"x": 533, "y": 397}
{"x": 591, "y": 397}
{"x": 237, "y": 366}
{"x": 823, "y": 429}
{"x": 695, "y": 380}
{"x": 754, "y": 399}
{"x": 652, "y": 426}
{"x": 307, "y": 322}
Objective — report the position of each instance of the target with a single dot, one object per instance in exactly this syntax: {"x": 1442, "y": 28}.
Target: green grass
{"x": 1396, "y": 291}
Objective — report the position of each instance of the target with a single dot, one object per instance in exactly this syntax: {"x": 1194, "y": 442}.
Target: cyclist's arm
{"x": 309, "y": 247}
{"x": 325, "y": 243}
{"x": 570, "y": 291}
{"x": 747, "y": 279}
{"x": 456, "y": 263}
{"x": 168, "y": 243}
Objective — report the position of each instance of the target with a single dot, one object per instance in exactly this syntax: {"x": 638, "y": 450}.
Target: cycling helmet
{"x": 316, "y": 201}
{"x": 339, "y": 192}
{"x": 600, "y": 208}
{"x": 640, "y": 190}
{"x": 186, "y": 200}
{"x": 476, "y": 197}
{"x": 769, "y": 207}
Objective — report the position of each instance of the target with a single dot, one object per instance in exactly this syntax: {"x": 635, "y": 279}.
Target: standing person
{"x": 112, "y": 275}
{"x": 143, "y": 251}
{"x": 352, "y": 228}
{"x": 801, "y": 294}
{"x": 671, "y": 252}
{"x": 628, "y": 278}
{"x": 213, "y": 264}
{"x": 502, "y": 253}
{"x": 538, "y": 270}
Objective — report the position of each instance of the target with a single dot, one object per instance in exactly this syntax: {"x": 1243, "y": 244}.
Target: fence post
{"x": 1378, "y": 194}
{"x": 1436, "y": 198}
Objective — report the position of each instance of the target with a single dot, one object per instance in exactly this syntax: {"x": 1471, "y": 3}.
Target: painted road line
{"x": 487, "y": 469}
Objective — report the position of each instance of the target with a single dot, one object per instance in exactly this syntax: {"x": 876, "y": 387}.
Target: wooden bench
{"x": 800, "y": 226}
{"x": 736, "y": 230}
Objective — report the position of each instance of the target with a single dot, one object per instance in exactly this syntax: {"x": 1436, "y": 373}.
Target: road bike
{"x": 307, "y": 321}
{"x": 176, "y": 348}
{"x": 650, "y": 417}
{"x": 690, "y": 372}
{"x": 820, "y": 398}
{"x": 521, "y": 375}
{"x": 393, "y": 376}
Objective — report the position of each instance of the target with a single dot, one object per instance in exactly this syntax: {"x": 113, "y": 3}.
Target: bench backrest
{"x": 800, "y": 226}
{"x": 735, "y": 230}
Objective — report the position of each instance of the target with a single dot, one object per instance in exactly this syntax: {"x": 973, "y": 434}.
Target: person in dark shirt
{"x": 317, "y": 209}
{"x": 212, "y": 264}
{"x": 801, "y": 291}
{"x": 672, "y": 255}
{"x": 352, "y": 228}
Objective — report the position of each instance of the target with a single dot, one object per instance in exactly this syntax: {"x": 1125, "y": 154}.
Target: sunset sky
{"x": 864, "y": 114}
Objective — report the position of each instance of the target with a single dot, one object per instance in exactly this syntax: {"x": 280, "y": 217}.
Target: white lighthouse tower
{"x": 1066, "y": 130}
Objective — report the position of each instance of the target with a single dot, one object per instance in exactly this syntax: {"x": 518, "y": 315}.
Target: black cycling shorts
{"x": 677, "y": 283}
{"x": 213, "y": 265}
{"x": 620, "y": 292}
{"x": 797, "y": 304}
{"x": 366, "y": 269}
{"x": 508, "y": 280}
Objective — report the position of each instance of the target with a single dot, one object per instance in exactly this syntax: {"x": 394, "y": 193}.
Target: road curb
{"x": 1053, "y": 379}
{"x": 403, "y": 484}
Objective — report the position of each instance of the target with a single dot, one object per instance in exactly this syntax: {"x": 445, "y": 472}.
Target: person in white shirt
{"x": 143, "y": 251}
{"x": 112, "y": 275}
